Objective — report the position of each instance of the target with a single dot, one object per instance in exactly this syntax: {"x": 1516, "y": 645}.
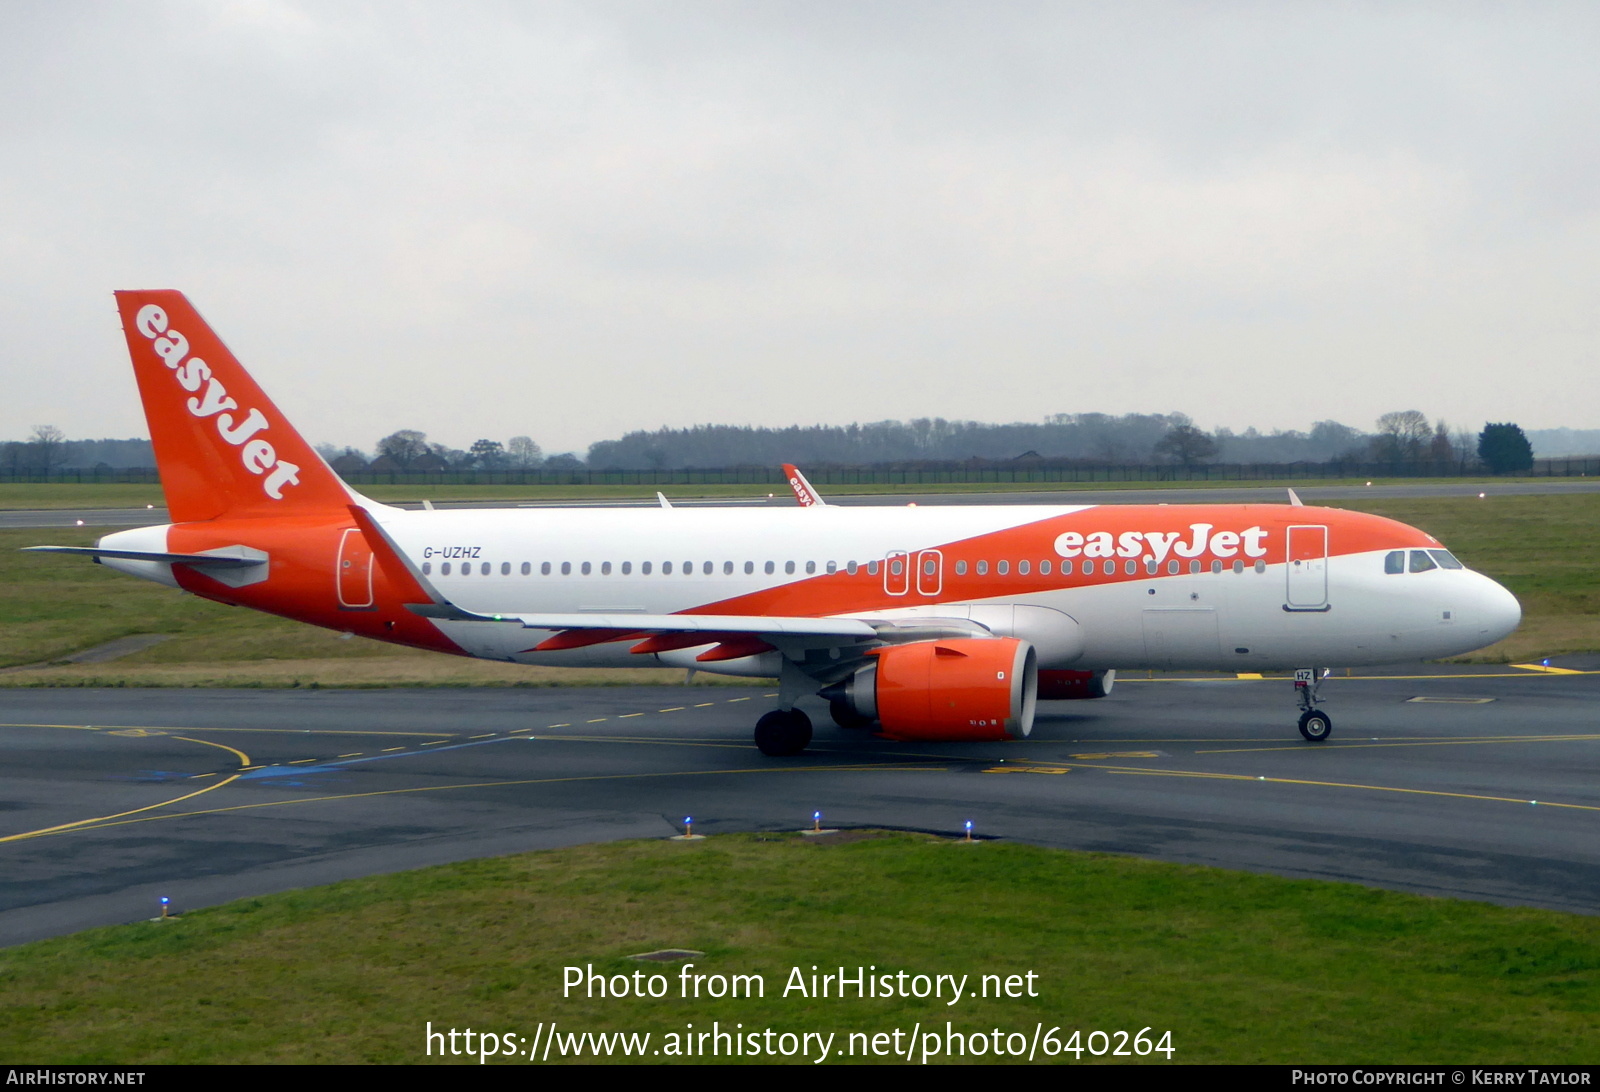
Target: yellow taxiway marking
{"x": 117, "y": 729}
{"x": 705, "y": 705}
{"x": 302, "y": 761}
{"x": 1029, "y": 769}
{"x": 485, "y": 735}
{"x": 673, "y": 709}
{"x": 1349, "y": 785}
{"x": 119, "y": 820}
{"x": 353, "y": 754}
{"x": 82, "y": 823}
{"x": 625, "y": 716}
{"x": 732, "y": 700}
{"x": 1532, "y": 670}
{"x": 1250, "y": 675}
{"x": 596, "y": 720}
{"x": 1404, "y": 742}
{"x": 386, "y": 750}
{"x": 1450, "y": 701}
{"x": 558, "y": 726}
{"x": 1115, "y": 754}
{"x": 434, "y": 742}
{"x": 137, "y": 733}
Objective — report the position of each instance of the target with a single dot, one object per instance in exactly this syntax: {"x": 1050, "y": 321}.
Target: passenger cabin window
{"x": 527, "y": 568}
{"x": 727, "y": 568}
{"x": 983, "y": 568}
{"x": 1002, "y": 567}
{"x": 770, "y": 568}
{"x": 749, "y": 567}
{"x": 666, "y": 568}
{"x": 833, "y": 567}
{"x": 1394, "y": 562}
{"x": 1022, "y": 568}
{"x": 1066, "y": 568}
{"x": 644, "y": 568}
{"x": 627, "y": 568}
{"x": 1421, "y": 562}
{"x": 706, "y": 568}
{"x": 544, "y": 569}
{"x": 811, "y": 567}
{"x": 961, "y": 568}
{"x": 505, "y": 568}
{"x": 427, "y": 567}
{"x": 444, "y": 569}
{"x": 1044, "y": 568}
{"x": 566, "y": 568}
{"x": 1216, "y": 567}
{"x": 851, "y": 567}
{"x": 872, "y": 568}
{"x": 1130, "y": 567}
{"x": 788, "y": 567}
{"x": 587, "y": 568}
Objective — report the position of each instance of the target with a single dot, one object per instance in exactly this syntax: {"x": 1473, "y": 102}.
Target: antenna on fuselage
{"x": 1294, "y": 499}
{"x": 662, "y": 497}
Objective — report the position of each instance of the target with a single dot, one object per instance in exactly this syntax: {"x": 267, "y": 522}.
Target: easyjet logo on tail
{"x": 255, "y": 452}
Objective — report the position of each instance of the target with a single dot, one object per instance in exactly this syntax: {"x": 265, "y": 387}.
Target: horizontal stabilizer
{"x": 230, "y": 557}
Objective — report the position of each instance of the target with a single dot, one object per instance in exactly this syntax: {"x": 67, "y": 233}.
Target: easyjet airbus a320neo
{"x": 925, "y": 623}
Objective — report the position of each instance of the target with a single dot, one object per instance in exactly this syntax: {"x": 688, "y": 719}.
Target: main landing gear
{"x": 1315, "y": 725}
{"x": 783, "y": 732}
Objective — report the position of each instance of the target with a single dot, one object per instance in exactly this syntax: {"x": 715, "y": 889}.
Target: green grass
{"x": 1240, "y": 968}
{"x": 1541, "y": 547}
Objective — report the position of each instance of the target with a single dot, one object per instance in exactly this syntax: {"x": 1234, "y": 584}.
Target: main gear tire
{"x": 782, "y": 733}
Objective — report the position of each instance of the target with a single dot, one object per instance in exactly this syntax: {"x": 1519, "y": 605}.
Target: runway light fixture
{"x": 816, "y": 821}
{"x": 166, "y": 906}
{"x": 969, "y": 830}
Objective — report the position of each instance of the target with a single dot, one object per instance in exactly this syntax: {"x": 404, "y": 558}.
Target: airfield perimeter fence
{"x": 1043, "y": 474}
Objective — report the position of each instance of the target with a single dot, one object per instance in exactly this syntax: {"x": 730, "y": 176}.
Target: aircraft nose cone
{"x": 1499, "y": 611}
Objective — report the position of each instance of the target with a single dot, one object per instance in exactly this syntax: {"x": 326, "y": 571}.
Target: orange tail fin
{"x": 222, "y": 447}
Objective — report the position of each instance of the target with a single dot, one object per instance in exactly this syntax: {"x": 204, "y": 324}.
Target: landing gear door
{"x": 354, "y": 571}
{"x": 1307, "y": 569}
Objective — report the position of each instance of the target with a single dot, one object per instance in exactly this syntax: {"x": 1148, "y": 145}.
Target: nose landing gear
{"x": 1315, "y": 725}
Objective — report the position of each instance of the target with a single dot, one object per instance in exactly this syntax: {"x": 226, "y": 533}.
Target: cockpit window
{"x": 1421, "y": 562}
{"x": 1394, "y": 562}
{"x": 1446, "y": 559}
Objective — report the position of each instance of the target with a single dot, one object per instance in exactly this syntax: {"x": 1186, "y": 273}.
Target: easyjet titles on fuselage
{"x": 1156, "y": 545}
{"x": 257, "y": 454}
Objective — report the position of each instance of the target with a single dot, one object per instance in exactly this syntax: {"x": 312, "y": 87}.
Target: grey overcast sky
{"x": 569, "y": 220}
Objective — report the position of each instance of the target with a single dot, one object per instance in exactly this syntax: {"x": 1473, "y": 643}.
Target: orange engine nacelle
{"x": 977, "y": 689}
{"x": 1070, "y": 685}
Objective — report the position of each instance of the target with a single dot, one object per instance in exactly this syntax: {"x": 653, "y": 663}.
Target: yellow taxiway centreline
{"x": 1134, "y": 771}
{"x": 119, "y": 820}
{"x": 1342, "y": 746}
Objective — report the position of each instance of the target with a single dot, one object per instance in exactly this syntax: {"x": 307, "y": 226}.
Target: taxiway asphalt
{"x": 1481, "y": 783}
{"x": 1239, "y": 494}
